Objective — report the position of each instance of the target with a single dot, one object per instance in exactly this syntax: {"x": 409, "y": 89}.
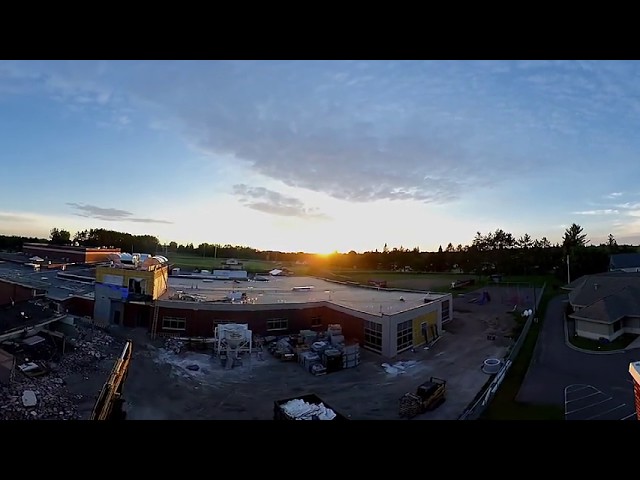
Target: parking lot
{"x": 586, "y": 402}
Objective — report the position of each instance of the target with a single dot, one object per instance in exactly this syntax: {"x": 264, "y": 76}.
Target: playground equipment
{"x": 482, "y": 299}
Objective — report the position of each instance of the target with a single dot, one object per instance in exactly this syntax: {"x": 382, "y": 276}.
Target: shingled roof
{"x": 623, "y": 303}
{"x": 624, "y": 260}
{"x": 606, "y": 297}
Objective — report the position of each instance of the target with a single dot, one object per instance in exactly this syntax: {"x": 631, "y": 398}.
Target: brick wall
{"x": 636, "y": 388}
{"x": 10, "y": 291}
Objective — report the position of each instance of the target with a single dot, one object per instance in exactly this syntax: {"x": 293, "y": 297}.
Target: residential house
{"x": 624, "y": 262}
{"x": 605, "y": 305}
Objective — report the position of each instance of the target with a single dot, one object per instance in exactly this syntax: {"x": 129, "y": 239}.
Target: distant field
{"x": 190, "y": 262}
{"x": 428, "y": 281}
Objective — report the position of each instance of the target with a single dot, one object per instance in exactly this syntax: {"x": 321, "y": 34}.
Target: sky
{"x": 320, "y": 156}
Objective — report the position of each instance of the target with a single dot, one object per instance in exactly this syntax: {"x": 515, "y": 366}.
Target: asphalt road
{"x": 559, "y": 375}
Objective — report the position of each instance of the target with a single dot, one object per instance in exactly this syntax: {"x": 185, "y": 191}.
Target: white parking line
{"x": 586, "y": 396}
{"x": 604, "y": 413}
{"x": 629, "y": 416}
{"x": 589, "y": 406}
{"x": 582, "y": 387}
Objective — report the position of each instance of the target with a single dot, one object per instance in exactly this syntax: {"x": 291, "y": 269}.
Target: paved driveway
{"x": 557, "y": 372}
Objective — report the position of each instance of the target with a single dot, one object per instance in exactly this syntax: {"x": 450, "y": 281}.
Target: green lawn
{"x": 504, "y": 406}
{"x": 619, "y": 343}
{"x": 440, "y": 282}
{"x": 188, "y": 261}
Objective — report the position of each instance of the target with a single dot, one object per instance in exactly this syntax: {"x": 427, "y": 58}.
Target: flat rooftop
{"x": 11, "y": 317}
{"x": 57, "y": 288}
{"x": 281, "y": 290}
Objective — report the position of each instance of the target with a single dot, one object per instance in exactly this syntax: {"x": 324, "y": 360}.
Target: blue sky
{"x": 321, "y": 155}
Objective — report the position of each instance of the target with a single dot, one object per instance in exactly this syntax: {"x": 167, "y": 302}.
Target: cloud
{"x": 10, "y": 217}
{"x": 606, "y": 211}
{"x": 110, "y": 214}
{"x": 269, "y": 201}
{"x": 427, "y": 131}
{"x": 614, "y": 195}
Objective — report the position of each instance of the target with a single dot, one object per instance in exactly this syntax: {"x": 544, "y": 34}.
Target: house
{"x": 624, "y": 262}
{"x": 605, "y": 305}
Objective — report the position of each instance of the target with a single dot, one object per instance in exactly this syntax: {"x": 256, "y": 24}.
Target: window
{"x": 316, "y": 321}
{"x": 445, "y": 310}
{"x": 373, "y": 336}
{"x": 277, "y": 324}
{"x": 172, "y": 323}
{"x": 616, "y": 326}
{"x": 405, "y": 335}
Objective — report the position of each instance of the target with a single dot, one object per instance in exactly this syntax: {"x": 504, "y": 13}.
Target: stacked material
{"x": 300, "y": 410}
{"x": 332, "y": 360}
{"x": 307, "y": 359}
{"x": 334, "y": 329}
{"x": 336, "y": 339}
{"x": 351, "y": 356}
{"x": 308, "y": 336}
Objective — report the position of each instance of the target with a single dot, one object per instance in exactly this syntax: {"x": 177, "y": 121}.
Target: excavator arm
{"x": 108, "y": 406}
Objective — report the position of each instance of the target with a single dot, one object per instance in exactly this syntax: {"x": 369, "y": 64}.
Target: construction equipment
{"x": 428, "y": 396}
{"x": 108, "y": 406}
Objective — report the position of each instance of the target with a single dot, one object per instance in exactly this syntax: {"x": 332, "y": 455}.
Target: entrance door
{"x": 116, "y": 317}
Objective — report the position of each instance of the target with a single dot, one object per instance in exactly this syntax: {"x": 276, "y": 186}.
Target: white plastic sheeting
{"x": 301, "y": 410}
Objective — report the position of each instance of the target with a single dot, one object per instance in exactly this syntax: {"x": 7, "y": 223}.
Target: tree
{"x": 611, "y": 242}
{"x": 574, "y": 237}
{"x": 59, "y": 237}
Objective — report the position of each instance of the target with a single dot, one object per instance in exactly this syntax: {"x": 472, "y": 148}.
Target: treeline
{"x": 13, "y": 243}
{"x": 493, "y": 252}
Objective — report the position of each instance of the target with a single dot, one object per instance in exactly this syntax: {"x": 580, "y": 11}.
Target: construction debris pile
{"x": 174, "y": 345}
{"x": 33, "y": 385}
{"x": 305, "y": 407}
{"x": 317, "y": 352}
{"x": 298, "y": 409}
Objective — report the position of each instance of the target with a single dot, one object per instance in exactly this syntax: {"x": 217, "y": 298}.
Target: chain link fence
{"x": 478, "y": 407}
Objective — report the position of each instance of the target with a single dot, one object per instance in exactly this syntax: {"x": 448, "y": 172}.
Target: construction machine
{"x": 109, "y": 404}
{"x": 428, "y": 396}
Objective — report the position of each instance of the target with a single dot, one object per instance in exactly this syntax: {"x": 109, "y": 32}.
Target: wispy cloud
{"x": 607, "y": 211}
{"x": 110, "y": 214}
{"x": 275, "y": 203}
{"x": 11, "y": 217}
{"x": 613, "y": 195}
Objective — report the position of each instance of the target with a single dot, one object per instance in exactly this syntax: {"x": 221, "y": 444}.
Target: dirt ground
{"x": 160, "y": 386}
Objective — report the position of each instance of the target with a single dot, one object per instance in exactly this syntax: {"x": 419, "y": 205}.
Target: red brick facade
{"x": 636, "y": 389}
{"x": 74, "y": 254}
{"x": 201, "y": 323}
{"x": 18, "y": 293}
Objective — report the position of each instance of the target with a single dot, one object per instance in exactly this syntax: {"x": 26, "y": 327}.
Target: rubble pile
{"x": 45, "y": 396}
{"x": 173, "y": 345}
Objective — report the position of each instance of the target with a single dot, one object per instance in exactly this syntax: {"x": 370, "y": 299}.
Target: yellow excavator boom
{"x": 108, "y": 406}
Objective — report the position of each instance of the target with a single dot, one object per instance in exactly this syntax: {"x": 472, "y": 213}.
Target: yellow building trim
{"x": 431, "y": 322}
{"x": 155, "y": 281}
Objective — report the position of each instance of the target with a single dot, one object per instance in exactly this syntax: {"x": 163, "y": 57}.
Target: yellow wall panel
{"x": 430, "y": 318}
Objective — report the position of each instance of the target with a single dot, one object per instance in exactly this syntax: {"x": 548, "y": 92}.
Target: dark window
{"x": 172, "y": 323}
{"x": 373, "y": 336}
{"x": 617, "y": 326}
{"x": 316, "y": 321}
{"x": 405, "y": 335}
{"x": 277, "y": 324}
{"x": 445, "y": 310}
